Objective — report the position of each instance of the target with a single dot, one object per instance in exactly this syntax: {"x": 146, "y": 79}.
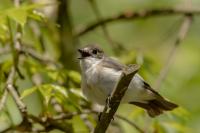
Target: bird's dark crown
{"x": 91, "y": 51}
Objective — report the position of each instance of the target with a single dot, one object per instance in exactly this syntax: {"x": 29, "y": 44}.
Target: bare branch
{"x": 35, "y": 55}
{"x": 116, "y": 96}
{"x": 136, "y": 15}
{"x": 15, "y": 46}
{"x": 130, "y": 122}
{"x": 31, "y": 52}
{"x": 180, "y": 37}
{"x": 10, "y": 87}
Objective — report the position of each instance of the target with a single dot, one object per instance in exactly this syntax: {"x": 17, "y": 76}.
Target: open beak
{"x": 80, "y": 51}
{"x": 83, "y": 53}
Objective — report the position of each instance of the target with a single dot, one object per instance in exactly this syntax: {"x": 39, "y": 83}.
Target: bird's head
{"x": 91, "y": 51}
{"x": 89, "y": 56}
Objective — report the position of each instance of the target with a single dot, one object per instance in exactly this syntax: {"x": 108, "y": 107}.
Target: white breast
{"x": 90, "y": 81}
{"x": 98, "y": 83}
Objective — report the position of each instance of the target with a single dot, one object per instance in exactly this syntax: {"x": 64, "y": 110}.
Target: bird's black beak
{"x": 80, "y": 51}
{"x": 83, "y": 53}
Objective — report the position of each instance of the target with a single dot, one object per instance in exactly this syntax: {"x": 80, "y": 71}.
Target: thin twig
{"x": 31, "y": 52}
{"x": 136, "y": 15}
{"x": 180, "y": 37}
{"x": 116, "y": 96}
{"x": 130, "y": 122}
{"x": 10, "y": 87}
{"x": 15, "y": 45}
{"x": 35, "y": 55}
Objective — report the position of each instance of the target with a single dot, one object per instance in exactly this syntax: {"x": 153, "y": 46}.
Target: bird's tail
{"x": 156, "y": 107}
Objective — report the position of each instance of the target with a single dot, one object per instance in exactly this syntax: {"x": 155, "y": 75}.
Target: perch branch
{"x": 64, "y": 116}
{"x": 136, "y": 15}
{"x": 116, "y": 96}
{"x": 180, "y": 37}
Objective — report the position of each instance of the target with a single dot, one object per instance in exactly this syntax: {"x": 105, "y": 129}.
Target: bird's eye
{"x": 94, "y": 51}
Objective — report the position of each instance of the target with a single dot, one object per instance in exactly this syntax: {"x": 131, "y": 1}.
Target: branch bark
{"x": 67, "y": 42}
{"x": 116, "y": 97}
{"x": 10, "y": 87}
{"x": 134, "y": 16}
{"x": 37, "y": 56}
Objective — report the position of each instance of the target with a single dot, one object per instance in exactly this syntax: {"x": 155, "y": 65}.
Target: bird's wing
{"x": 148, "y": 87}
{"x": 112, "y": 63}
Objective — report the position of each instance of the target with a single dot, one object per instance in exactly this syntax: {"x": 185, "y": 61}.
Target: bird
{"x": 100, "y": 74}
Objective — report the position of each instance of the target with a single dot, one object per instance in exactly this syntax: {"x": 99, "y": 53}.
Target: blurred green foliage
{"x": 145, "y": 41}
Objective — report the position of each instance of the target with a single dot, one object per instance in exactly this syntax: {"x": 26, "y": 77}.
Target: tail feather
{"x": 156, "y": 107}
{"x": 164, "y": 104}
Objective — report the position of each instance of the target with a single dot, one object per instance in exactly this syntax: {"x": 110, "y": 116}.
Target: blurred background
{"x": 39, "y": 41}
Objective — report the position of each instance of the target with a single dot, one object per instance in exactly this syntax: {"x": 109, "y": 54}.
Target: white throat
{"x": 88, "y": 63}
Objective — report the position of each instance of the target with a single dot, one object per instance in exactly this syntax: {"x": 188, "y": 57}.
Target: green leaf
{"x": 77, "y": 92}
{"x": 158, "y": 128}
{"x": 4, "y": 121}
{"x": 79, "y": 125}
{"x": 75, "y": 76}
{"x": 4, "y": 34}
{"x": 35, "y": 6}
{"x": 50, "y": 90}
{"x": 53, "y": 74}
{"x": 181, "y": 113}
{"x": 37, "y": 16}
{"x": 28, "y": 92}
{"x": 176, "y": 127}
{"x": 13, "y": 111}
{"x": 61, "y": 90}
{"x": 46, "y": 91}
{"x": 19, "y": 15}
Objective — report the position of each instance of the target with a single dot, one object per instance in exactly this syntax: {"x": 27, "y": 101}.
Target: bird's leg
{"x": 99, "y": 116}
{"x": 107, "y": 107}
{"x": 108, "y": 101}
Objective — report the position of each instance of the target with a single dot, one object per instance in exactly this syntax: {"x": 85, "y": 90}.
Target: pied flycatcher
{"x": 100, "y": 74}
